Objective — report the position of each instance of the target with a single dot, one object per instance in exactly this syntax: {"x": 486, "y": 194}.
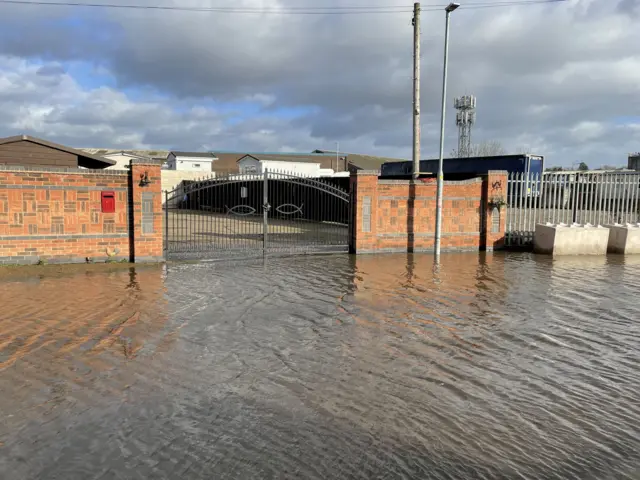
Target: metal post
{"x": 265, "y": 209}
{"x": 166, "y": 223}
{"x": 449, "y": 9}
{"x": 634, "y": 199}
{"x": 416, "y": 90}
{"x": 576, "y": 199}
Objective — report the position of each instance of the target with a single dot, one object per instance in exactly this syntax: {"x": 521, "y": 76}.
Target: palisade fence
{"x": 597, "y": 198}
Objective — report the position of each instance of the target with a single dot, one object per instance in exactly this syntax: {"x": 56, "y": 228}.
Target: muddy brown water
{"x": 328, "y": 367}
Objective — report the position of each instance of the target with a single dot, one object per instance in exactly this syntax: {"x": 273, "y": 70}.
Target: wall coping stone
{"x": 81, "y": 171}
{"x": 143, "y": 161}
{"x": 366, "y": 173}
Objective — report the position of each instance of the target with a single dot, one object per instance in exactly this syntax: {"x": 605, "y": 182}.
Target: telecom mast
{"x": 465, "y": 118}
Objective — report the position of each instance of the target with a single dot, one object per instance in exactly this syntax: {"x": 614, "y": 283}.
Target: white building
{"x": 295, "y": 166}
{"x": 190, "y": 161}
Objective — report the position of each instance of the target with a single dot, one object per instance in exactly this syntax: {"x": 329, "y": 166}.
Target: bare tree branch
{"x": 489, "y": 149}
{"x": 484, "y": 149}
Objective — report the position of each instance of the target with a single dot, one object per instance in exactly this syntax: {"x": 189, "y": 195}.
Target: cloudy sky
{"x": 562, "y": 79}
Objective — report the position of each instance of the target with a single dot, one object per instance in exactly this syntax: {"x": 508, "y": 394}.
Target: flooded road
{"x": 334, "y": 367}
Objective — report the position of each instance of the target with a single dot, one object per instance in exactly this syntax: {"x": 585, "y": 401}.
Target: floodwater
{"x": 329, "y": 367}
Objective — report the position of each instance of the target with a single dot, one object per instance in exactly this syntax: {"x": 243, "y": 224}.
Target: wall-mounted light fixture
{"x": 144, "y": 179}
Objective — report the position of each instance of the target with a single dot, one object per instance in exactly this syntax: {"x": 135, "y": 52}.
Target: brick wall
{"x": 55, "y": 215}
{"x": 399, "y": 215}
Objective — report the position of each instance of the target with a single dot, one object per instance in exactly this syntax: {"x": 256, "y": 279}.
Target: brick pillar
{"x": 495, "y": 218}
{"x": 364, "y": 188}
{"x": 145, "y": 212}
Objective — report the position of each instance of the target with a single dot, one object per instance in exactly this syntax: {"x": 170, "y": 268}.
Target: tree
{"x": 554, "y": 169}
{"x": 583, "y": 167}
{"x": 522, "y": 150}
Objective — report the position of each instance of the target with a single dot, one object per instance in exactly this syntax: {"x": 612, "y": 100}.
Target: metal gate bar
{"x": 244, "y": 214}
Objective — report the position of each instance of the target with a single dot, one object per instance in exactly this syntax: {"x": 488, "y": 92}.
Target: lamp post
{"x": 450, "y": 8}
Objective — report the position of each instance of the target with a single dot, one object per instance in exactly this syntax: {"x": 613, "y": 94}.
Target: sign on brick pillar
{"x": 495, "y": 209}
{"x": 364, "y": 185}
{"x": 146, "y": 223}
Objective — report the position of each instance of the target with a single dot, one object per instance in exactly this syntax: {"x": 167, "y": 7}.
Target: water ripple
{"x": 485, "y": 367}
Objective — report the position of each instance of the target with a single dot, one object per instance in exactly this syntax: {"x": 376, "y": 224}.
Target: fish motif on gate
{"x": 241, "y": 210}
{"x": 289, "y": 209}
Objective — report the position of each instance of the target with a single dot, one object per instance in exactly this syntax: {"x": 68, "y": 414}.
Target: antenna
{"x": 465, "y": 118}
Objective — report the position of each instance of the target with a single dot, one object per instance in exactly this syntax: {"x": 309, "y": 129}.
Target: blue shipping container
{"x": 530, "y": 164}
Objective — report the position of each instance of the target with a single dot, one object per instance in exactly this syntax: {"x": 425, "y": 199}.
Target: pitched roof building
{"x": 35, "y": 152}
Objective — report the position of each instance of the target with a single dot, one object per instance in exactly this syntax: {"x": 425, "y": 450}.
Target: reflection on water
{"x": 327, "y": 367}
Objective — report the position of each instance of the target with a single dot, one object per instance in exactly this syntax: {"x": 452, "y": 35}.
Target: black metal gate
{"x": 250, "y": 214}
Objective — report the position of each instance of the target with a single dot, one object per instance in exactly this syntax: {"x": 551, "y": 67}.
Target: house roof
{"x": 369, "y": 162}
{"x": 126, "y": 153}
{"x": 85, "y": 159}
{"x": 363, "y": 162}
{"x": 280, "y": 158}
{"x": 142, "y": 153}
{"x": 193, "y": 154}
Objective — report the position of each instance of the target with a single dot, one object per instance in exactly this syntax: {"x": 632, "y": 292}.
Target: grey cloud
{"x": 50, "y": 70}
{"x": 355, "y": 73}
{"x": 629, "y": 7}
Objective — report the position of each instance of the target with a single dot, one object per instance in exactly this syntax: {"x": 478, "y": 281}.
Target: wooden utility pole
{"x": 416, "y": 90}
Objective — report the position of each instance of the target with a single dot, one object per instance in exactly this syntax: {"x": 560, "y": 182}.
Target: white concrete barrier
{"x": 561, "y": 239}
{"x": 624, "y": 238}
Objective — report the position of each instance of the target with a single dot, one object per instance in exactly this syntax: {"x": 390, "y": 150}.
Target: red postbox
{"x": 108, "y": 200}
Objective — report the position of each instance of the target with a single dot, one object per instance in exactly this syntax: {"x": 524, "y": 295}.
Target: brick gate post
{"x": 145, "y": 212}
{"x": 364, "y": 188}
{"x": 495, "y": 217}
